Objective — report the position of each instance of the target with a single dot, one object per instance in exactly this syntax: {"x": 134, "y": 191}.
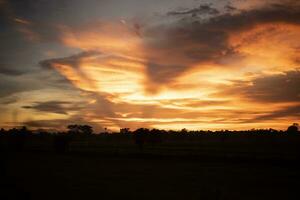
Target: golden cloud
{"x": 175, "y": 75}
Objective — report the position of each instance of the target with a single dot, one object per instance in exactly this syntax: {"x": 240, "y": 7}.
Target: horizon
{"x": 105, "y": 130}
{"x": 171, "y": 65}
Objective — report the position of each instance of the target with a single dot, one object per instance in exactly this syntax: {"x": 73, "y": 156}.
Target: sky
{"x": 167, "y": 64}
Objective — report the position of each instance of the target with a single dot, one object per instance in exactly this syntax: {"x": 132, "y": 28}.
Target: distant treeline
{"x": 76, "y": 129}
{"x": 81, "y": 138}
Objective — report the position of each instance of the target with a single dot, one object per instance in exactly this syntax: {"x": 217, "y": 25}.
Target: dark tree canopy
{"x": 293, "y": 129}
{"x": 80, "y": 129}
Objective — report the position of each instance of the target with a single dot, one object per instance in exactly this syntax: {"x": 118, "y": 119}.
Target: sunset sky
{"x": 167, "y": 64}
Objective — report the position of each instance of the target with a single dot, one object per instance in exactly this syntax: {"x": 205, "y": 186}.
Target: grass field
{"x": 180, "y": 167}
{"x": 32, "y": 175}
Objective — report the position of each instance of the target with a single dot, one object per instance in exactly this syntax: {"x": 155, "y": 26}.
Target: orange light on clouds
{"x": 224, "y": 65}
{"x": 120, "y": 70}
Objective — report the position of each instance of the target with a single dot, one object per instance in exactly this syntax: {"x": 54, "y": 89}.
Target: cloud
{"x": 9, "y": 70}
{"x": 61, "y": 124}
{"x": 271, "y": 13}
{"x": 183, "y": 45}
{"x": 230, "y": 8}
{"x": 85, "y": 69}
{"x": 205, "y": 103}
{"x": 10, "y": 86}
{"x": 58, "y": 107}
{"x": 201, "y": 10}
{"x": 285, "y": 114}
{"x": 9, "y": 100}
{"x": 70, "y": 68}
{"x": 278, "y": 88}
{"x": 169, "y": 50}
{"x": 73, "y": 60}
{"x": 133, "y": 73}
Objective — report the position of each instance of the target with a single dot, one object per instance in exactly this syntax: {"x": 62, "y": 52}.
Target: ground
{"x": 48, "y": 175}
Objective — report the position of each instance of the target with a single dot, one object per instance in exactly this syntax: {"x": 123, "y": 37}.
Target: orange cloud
{"x": 269, "y": 47}
{"x": 198, "y": 75}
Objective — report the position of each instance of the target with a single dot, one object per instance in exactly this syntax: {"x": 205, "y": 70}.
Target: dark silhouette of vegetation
{"x": 80, "y": 129}
{"x": 293, "y": 129}
{"x": 140, "y": 137}
{"x": 125, "y": 131}
{"x": 17, "y": 137}
{"x": 145, "y": 136}
{"x": 80, "y": 153}
{"x": 61, "y": 143}
{"x": 82, "y": 138}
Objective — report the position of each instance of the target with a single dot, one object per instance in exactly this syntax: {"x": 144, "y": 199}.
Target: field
{"x": 114, "y": 167}
{"x": 52, "y": 176}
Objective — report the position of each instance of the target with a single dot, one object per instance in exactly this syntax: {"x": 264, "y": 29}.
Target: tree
{"x": 184, "y": 131}
{"x": 125, "y": 130}
{"x": 140, "y": 136}
{"x": 2, "y": 131}
{"x": 86, "y": 129}
{"x": 80, "y": 129}
{"x": 293, "y": 129}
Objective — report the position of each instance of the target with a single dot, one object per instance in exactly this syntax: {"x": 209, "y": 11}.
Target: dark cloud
{"x": 48, "y": 124}
{"x": 161, "y": 74}
{"x": 80, "y": 112}
{"x": 9, "y": 70}
{"x": 288, "y": 112}
{"x": 9, "y": 100}
{"x": 272, "y": 88}
{"x": 72, "y": 60}
{"x": 179, "y": 46}
{"x": 230, "y": 8}
{"x": 11, "y": 85}
{"x": 60, "y": 124}
{"x": 59, "y": 107}
{"x": 272, "y": 13}
{"x": 201, "y": 10}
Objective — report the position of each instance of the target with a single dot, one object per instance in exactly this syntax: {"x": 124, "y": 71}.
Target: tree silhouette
{"x": 125, "y": 130}
{"x": 293, "y": 129}
{"x": 86, "y": 129}
{"x": 2, "y": 131}
{"x": 18, "y": 137}
{"x": 80, "y": 129}
{"x": 140, "y": 137}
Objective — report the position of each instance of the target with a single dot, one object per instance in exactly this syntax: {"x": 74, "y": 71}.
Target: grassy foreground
{"x": 33, "y": 175}
{"x": 177, "y": 167}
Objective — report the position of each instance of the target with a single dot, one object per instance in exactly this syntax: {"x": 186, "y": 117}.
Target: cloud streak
{"x": 280, "y": 88}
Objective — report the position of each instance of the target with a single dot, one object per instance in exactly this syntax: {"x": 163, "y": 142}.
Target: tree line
{"x": 16, "y": 137}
